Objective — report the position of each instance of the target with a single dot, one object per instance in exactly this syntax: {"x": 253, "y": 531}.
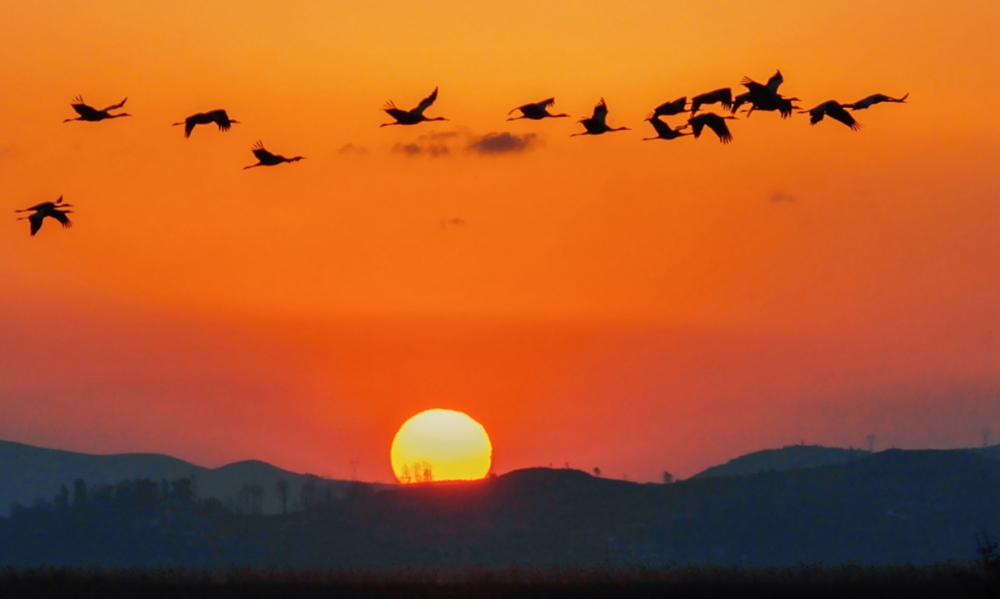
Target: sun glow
{"x": 441, "y": 445}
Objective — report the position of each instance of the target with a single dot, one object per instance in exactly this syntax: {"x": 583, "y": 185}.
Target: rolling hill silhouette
{"x": 28, "y": 472}
{"x": 798, "y": 457}
{"x": 791, "y": 457}
{"x": 891, "y": 507}
{"x": 895, "y": 506}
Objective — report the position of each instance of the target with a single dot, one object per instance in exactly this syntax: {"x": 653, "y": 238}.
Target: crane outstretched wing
{"x": 836, "y": 112}
{"x": 260, "y": 152}
{"x": 816, "y": 114}
{"x": 600, "y": 112}
{"x": 220, "y": 118}
{"x": 775, "y": 82}
{"x": 726, "y": 98}
{"x": 662, "y": 129}
{"x": 697, "y": 125}
{"x": 669, "y": 108}
{"x": 426, "y": 102}
{"x": 60, "y": 216}
{"x": 84, "y": 110}
{"x": 720, "y": 129}
{"x": 396, "y": 113}
{"x": 114, "y": 106}
{"x": 36, "y": 222}
{"x": 740, "y": 100}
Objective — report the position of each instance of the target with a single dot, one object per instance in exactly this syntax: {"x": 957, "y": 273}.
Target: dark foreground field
{"x": 911, "y": 582}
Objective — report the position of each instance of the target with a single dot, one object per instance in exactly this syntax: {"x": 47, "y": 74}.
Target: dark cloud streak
{"x": 494, "y": 144}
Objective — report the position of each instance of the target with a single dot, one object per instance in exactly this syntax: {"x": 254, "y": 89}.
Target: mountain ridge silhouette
{"x": 28, "y": 472}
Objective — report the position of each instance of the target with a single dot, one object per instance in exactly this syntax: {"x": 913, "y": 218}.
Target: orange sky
{"x": 636, "y": 306}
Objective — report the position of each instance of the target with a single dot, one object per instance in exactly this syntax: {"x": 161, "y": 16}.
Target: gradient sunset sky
{"x": 602, "y": 301}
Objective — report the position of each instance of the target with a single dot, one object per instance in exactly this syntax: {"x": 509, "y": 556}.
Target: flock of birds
{"x": 758, "y": 97}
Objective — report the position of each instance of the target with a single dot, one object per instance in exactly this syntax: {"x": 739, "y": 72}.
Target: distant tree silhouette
{"x": 359, "y": 491}
{"x": 131, "y": 522}
{"x": 597, "y": 472}
{"x": 986, "y": 547}
{"x": 250, "y": 498}
{"x": 404, "y": 475}
{"x": 282, "y": 487}
{"x": 667, "y": 478}
{"x": 309, "y": 494}
{"x": 183, "y": 489}
{"x": 62, "y": 498}
{"x": 79, "y": 493}
{"x": 871, "y": 442}
{"x": 257, "y": 492}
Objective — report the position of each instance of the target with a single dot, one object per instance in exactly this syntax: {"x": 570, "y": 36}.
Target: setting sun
{"x": 441, "y": 445}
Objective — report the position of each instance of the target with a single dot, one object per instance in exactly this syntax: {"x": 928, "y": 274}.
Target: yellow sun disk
{"x": 450, "y": 443}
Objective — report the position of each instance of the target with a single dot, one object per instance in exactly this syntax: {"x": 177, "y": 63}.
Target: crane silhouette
{"x": 219, "y": 117}
{"x": 783, "y": 105}
{"x": 265, "y": 158}
{"x": 875, "y": 99}
{"x": 740, "y": 100}
{"x": 536, "y": 111}
{"x": 834, "y": 110}
{"x": 596, "y": 124}
{"x": 669, "y": 108}
{"x": 412, "y": 117}
{"x": 663, "y": 130}
{"x": 764, "y": 90}
{"x": 722, "y": 96}
{"x": 714, "y": 122}
{"x": 93, "y": 115}
{"x": 56, "y": 210}
{"x": 765, "y": 96}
